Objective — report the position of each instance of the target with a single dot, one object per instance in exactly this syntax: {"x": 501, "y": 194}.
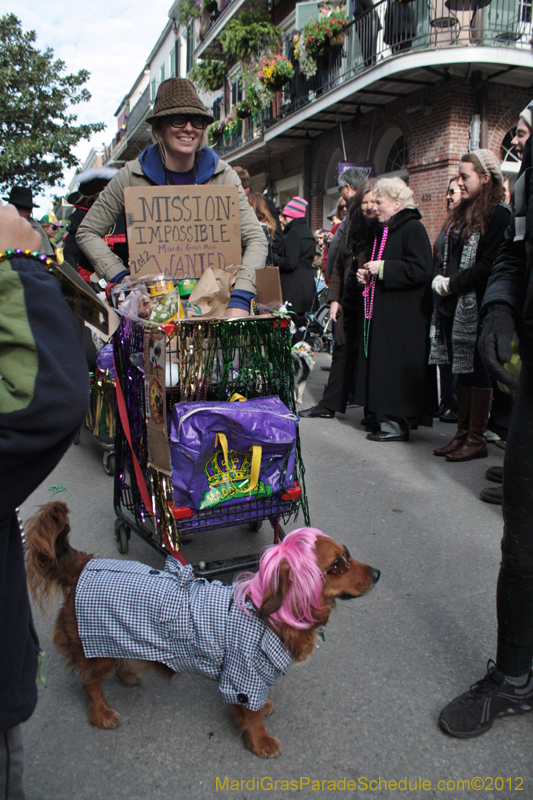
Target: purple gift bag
{"x": 231, "y": 452}
{"x": 104, "y": 360}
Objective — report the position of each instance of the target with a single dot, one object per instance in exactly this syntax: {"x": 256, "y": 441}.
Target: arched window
{"x": 391, "y": 155}
{"x": 509, "y": 160}
{"x": 398, "y": 156}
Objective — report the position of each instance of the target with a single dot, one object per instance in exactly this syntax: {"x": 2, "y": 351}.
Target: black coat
{"x": 34, "y": 435}
{"x": 511, "y": 280}
{"x": 395, "y": 378}
{"x": 295, "y": 262}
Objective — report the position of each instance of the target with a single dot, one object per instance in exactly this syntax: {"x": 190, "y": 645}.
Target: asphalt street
{"x": 365, "y": 705}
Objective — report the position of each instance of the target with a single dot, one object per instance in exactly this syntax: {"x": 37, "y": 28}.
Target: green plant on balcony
{"x": 232, "y": 125}
{"x": 258, "y": 95}
{"x": 208, "y": 74}
{"x": 244, "y": 109}
{"x": 316, "y": 39}
{"x": 253, "y": 29}
{"x": 187, "y": 9}
{"x": 214, "y": 132}
{"x": 274, "y": 71}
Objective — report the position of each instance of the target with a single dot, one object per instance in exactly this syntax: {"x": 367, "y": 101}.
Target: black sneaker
{"x": 473, "y": 712}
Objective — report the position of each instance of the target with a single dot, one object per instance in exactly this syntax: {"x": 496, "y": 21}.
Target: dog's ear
{"x": 273, "y": 600}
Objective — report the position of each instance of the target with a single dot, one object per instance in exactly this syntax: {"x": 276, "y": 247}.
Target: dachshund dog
{"x": 243, "y": 635}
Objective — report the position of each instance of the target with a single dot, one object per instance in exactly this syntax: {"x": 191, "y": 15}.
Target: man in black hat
{"x": 22, "y": 198}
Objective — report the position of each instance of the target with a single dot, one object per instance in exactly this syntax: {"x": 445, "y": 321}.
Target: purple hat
{"x": 295, "y": 208}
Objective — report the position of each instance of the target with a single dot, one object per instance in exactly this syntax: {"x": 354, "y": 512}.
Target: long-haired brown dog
{"x": 291, "y": 595}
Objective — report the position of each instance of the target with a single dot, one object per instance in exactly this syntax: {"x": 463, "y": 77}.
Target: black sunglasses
{"x": 180, "y": 121}
{"x": 341, "y": 565}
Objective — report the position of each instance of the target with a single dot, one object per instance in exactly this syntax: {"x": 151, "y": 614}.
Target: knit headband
{"x": 527, "y": 116}
{"x": 489, "y": 163}
{"x": 295, "y": 208}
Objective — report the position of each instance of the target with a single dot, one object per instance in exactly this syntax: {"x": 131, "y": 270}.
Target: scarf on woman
{"x": 465, "y": 320}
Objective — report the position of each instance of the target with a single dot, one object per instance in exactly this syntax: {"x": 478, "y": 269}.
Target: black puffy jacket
{"x": 44, "y": 395}
{"x": 511, "y": 279}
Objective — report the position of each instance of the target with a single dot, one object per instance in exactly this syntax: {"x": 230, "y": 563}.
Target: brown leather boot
{"x": 463, "y": 413}
{"x": 475, "y": 444}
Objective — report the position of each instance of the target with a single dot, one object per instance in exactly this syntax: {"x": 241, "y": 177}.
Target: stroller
{"x": 318, "y": 332}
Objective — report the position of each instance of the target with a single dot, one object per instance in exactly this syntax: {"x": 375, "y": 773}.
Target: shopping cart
{"x": 209, "y": 360}
{"x": 100, "y": 419}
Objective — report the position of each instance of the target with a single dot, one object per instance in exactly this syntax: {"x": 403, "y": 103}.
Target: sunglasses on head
{"x": 180, "y": 121}
{"x": 341, "y": 565}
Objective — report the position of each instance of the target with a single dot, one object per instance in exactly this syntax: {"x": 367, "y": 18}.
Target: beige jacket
{"x": 110, "y": 205}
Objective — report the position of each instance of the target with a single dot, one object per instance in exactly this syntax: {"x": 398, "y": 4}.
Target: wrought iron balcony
{"x": 139, "y": 112}
{"x": 393, "y": 29}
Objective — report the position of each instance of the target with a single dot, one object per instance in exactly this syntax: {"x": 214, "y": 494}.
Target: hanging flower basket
{"x": 319, "y": 36}
{"x": 215, "y": 132}
{"x": 243, "y": 109}
{"x": 337, "y": 40}
{"x": 275, "y": 72}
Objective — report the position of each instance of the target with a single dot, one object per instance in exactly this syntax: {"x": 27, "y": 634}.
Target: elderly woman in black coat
{"x": 394, "y": 380}
{"x": 295, "y": 258}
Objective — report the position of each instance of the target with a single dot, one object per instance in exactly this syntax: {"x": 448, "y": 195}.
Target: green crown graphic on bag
{"x": 231, "y": 475}
{"x": 231, "y": 452}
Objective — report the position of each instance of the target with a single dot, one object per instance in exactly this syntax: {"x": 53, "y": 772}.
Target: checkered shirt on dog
{"x": 125, "y": 609}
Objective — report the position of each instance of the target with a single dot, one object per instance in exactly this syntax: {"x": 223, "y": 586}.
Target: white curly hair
{"x": 395, "y": 189}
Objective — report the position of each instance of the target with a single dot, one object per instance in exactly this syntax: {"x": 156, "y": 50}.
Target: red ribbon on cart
{"x": 141, "y": 483}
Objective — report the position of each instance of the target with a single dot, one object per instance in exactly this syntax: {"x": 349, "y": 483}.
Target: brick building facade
{"x": 410, "y": 110}
{"x": 436, "y": 131}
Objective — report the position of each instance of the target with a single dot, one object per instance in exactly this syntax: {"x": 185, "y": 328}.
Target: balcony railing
{"x": 214, "y": 19}
{"x": 390, "y": 29}
{"x": 138, "y": 112}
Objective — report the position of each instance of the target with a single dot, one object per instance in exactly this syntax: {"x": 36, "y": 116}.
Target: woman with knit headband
{"x": 474, "y": 233}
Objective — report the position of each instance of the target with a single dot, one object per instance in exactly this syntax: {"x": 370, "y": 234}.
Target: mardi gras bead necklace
{"x": 370, "y": 290}
{"x": 34, "y": 254}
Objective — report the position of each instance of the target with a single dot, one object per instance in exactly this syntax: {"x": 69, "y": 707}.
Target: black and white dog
{"x": 302, "y": 364}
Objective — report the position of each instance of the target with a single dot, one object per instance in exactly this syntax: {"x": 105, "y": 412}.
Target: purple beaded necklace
{"x": 370, "y": 289}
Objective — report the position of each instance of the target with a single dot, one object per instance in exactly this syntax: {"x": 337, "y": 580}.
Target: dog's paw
{"x": 104, "y": 718}
{"x": 265, "y": 746}
{"x": 128, "y": 674}
{"x": 269, "y": 707}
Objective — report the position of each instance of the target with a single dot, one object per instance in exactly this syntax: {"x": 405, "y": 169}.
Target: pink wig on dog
{"x": 305, "y": 583}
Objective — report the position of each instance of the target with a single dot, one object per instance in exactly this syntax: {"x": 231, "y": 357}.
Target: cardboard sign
{"x": 84, "y": 302}
{"x": 182, "y": 230}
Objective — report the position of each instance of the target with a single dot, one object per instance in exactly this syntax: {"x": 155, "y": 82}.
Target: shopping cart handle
{"x": 180, "y": 512}
{"x": 292, "y": 494}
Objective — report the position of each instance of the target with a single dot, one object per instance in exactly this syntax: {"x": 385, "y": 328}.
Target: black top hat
{"x": 21, "y": 196}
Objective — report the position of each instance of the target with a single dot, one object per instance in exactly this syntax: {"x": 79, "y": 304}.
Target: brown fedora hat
{"x": 178, "y": 96}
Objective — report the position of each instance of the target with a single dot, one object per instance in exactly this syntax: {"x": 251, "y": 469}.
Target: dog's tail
{"x": 51, "y": 563}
